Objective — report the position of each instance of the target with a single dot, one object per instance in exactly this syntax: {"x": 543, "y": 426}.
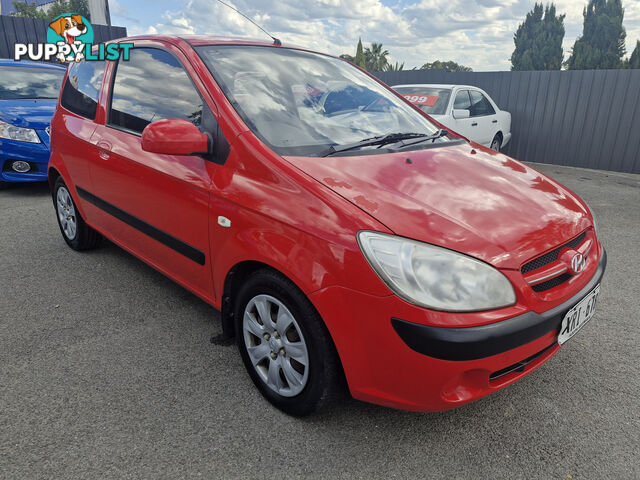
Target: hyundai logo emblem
{"x": 577, "y": 263}
{"x": 48, "y": 130}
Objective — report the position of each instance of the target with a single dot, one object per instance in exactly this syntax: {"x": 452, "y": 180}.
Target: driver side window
{"x": 152, "y": 86}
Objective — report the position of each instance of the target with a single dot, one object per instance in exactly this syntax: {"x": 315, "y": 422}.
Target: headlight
{"x": 11, "y": 132}
{"x": 435, "y": 277}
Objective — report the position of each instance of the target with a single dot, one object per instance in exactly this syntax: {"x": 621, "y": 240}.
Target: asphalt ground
{"x": 106, "y": 371}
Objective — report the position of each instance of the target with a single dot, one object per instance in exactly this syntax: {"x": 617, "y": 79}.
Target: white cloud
{"x": 477, "y": 33}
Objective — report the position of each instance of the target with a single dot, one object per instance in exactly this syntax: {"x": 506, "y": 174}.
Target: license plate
{"x": 578, "y": 316}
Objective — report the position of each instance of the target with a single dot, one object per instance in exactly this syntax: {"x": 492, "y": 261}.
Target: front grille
{"x": 551, "y": 257}
{"x": 549, "y": 284}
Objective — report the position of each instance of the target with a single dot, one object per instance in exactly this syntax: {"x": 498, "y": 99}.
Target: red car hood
{"x": 486, "y": 205}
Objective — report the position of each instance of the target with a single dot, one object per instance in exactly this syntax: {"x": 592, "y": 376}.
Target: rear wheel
{"x": 496, "y": 143}
{"x": 75, "y": 231}
{"x": 284, "y": 344}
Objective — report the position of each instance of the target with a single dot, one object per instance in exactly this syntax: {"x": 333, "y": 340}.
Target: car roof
{"x": 7, "y": 62}
{"x": 435, "y": 85}
{"x": 199, "y": 40}
{"x": 203, "y": 40}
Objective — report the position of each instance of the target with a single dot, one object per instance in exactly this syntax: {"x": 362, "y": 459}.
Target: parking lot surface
{"x": 106, "y": 371}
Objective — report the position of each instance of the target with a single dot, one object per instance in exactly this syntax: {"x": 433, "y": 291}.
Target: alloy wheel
{"x": 66, "y": 213}
{"x": 276, "y": 346}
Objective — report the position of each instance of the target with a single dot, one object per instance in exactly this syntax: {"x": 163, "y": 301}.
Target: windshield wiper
{"x": 440, "y": 133}
{"x": 382, "y": 140}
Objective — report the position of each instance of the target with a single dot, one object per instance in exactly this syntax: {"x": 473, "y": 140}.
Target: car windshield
{"x": 29, "y": 82}
{"x": 301, "y": 103}
{"x": 430, "y": 100}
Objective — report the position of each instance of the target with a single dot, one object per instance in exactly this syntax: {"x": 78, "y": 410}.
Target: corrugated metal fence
{"x": 32, "y": 30}
{"x": 587, "y": 118}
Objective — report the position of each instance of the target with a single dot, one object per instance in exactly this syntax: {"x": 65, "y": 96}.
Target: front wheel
{"x": 496, "y": 143}
{"x": 284, "y": 344}
{"x": 75, "y": 231}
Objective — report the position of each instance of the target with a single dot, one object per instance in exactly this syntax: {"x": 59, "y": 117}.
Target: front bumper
{"x": 472, "y": 343}
{"x": 403, "y": 364}
{"x": 36, "y": 154}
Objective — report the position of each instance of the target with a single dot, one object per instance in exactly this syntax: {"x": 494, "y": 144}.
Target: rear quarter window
{"x": 480, "y": 105}
{"x": 82, "y": 88}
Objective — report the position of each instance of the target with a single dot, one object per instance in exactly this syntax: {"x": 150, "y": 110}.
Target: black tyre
{"x": 285, "y": 345}
{"x": 496, "y": 143}
{"x": 75, "y": 231}
{"x": 3, "y": 185}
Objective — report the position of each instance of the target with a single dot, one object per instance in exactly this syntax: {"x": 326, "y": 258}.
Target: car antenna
{"x": 276, "y": 41}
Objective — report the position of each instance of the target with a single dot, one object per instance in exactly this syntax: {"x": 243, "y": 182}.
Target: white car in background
{"x": 464, "y": 109}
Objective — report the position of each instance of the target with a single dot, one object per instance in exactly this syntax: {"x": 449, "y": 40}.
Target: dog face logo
{"x": 70, "y": 29}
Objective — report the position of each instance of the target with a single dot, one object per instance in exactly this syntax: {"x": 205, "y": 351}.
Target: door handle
{"x": 104, "y": 149}
{"x": 474, "y": 124}
{"x": 494, "y": 121}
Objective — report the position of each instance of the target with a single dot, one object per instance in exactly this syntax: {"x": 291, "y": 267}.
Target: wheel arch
{"x": 52, "y": 176}
{"x": 233, "y": 282}
{"x": 501, "y": 135}
{"x": 59, "y": 171}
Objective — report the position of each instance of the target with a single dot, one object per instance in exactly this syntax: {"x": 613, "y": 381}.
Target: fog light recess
{"x": 20, "y": 166}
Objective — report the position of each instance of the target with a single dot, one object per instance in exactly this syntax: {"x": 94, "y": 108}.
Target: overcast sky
{"x": 476, "y": 33}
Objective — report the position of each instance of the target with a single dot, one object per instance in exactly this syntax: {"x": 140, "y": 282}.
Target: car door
{"x": 79, "y": 101}
{"x": 153, "y": 204}
{"x": 464, "y": 126}
{"x": 484, "y": 116}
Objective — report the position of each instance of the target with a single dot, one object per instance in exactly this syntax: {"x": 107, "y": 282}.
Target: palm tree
{"x": 376, "y": 57}
{"x": 394, "y": 68}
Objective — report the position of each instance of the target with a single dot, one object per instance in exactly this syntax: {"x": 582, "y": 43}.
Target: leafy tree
{"x": 372, "y": 59}
{"x": 394, "y": 68}
{"x": 30, "y": 10}
{"x": 448, "y": 66}
{"x": 602, "y": 42}
{"x": 360, "y": 59}
{"x": 634, "y": 59}
{"x": 538, "y": 40}
{"x": 376, "y": 57}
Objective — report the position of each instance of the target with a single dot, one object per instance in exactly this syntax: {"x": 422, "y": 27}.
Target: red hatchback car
{"x": 341, "y": 231}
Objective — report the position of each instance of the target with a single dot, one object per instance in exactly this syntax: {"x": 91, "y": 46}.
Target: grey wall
{"x": 99, "y": 10}
{"x": 587, "y": 118}
{"x": 31, "y": 30}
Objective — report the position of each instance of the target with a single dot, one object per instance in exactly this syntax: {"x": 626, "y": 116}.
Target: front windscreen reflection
{"x": 299, "y": 102}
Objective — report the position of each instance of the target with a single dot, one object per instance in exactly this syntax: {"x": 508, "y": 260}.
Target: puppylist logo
{"x": 70, "y": 39}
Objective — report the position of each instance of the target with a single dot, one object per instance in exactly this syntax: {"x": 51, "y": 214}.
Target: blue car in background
{"x": 28, "y": 98}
